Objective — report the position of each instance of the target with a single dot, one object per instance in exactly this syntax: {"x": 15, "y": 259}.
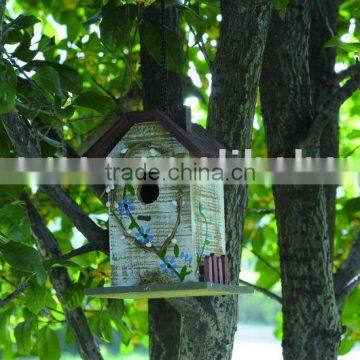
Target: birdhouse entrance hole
{"x": 148, "y": 193}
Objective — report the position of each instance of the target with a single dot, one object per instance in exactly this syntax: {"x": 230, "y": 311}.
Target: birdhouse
{"x": 166, "y": 240}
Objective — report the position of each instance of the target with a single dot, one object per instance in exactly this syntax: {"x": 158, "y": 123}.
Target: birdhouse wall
{"x": 208, "y": 220}
{"x": 130, "y": 264}
{"x": 201, "y": 230}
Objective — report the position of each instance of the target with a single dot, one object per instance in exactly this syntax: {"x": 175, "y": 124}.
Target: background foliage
{"x": 74, "y": 64}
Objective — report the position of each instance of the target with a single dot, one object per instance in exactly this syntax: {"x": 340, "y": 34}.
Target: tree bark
{"x": 311, "y": 326}
{"x": 76, "y": 320}
{"x": 26, "y": 144}
{"x": 164, "y": 320}
{"x": 322, "y": 61}
{"x": 194, "y": 328}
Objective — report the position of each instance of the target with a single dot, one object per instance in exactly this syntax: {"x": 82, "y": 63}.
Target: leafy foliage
{"x": 73, "y": 64}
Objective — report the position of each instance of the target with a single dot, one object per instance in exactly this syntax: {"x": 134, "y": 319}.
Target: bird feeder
{"x": 166, "y": 240}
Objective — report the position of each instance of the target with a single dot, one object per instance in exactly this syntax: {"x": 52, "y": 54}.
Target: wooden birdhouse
{"x": 166, "y": 240}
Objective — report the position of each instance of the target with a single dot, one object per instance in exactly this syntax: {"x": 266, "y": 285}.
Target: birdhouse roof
{"x": 192, "y": 136}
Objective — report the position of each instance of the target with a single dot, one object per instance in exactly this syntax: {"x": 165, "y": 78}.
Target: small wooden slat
{"x": 162, "y": 291}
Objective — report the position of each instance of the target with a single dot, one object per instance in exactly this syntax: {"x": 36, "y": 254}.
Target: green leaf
{"x": 23, "y": 258}
{"x": 22, "y": 334}
{"x": 73, "y": 296}
{"x": 176, "y": 251}
{"x": 48, "y": 344}
{"x": 8, "y": 82}
{"x": 69, "y": 78}
{"x": 21, "y": 22}
{"x": 133, "y": 224}
{"x": 116, "y": 310}
{"x": 183, "y": 273}
{"x": 35, "y": 297}
{"x": 162, "y": 254}
{"x": 345, "y": 47}
{"x": 129, "y": 188}
{"x": 125, "y": 332}
{"x": 23, "y": 51}
{"x": 174, "y": 43}
{"x": 14, "y": 223}
{"x": 194, "y": 19}
{"x": 347, "y": 343}
{"x": 106, "y": 328}
{"x": 281, "y": 5}
{"x": 116, "y": 24}
{"x": 352, "y": 206}
{"x": 48, "y": 78}
{"x": 93, "y": 100}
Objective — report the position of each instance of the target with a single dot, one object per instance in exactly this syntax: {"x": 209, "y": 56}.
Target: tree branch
{"x": 26, "y": 144}
{"x": 346, "y": 291}
{"x": 47, "y": 244}
{"x": 330, "y": 107}
{"x": 13, "y": 295}
{"x": 350, "y": 71}
{"x": 93, "y": 233}
{"x": 80, "y": 251}
{"x": 348, "y": 273}
{"x": 266, "y": 292}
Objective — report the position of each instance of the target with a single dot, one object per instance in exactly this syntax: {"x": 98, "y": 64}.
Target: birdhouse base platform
{"x": 161, "y": 291}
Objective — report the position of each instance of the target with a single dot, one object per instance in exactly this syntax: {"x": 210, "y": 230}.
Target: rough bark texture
{"x": 311, "y": 321}
{"x": 26, "y": 144}
{"x": 164, "y": 320}
{"x": 204, "y": 328}
{"x": 61, "y": 281}
{"x": 323, "y": 80}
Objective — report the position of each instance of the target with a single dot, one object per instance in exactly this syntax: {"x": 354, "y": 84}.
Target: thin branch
{"x": 346, "y": 291}
{"x": 263, "y": 291}
{"x": 13, "y": 295}
{"x": 348, "y": 271}
{"x": 92, "y": 232}
{"x": 85, "y": 249}
{"x": 48, "y": 247}
{"x": 328, "y": 109}
{"x": 262, "y": 260}
{"x": 350, "y": 71}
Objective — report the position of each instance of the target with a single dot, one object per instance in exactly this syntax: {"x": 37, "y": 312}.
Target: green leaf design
{"x": 176, "y": 251}
{"x": 24, "y": 258}
{"x": 93, "y": 100}
{"x": 183, "y": 273}
{"x": 48, "y": 344}
{"x": 8, "y": 82}
{"x": 133, "y": 224}
{"x": 129, "y": 189}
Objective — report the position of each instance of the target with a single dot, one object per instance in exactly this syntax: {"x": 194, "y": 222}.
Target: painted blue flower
{"x": 186, "y": 257}
{"x": 169, "y": 266}
{"x": 144, "y": 235}
{"x": 126, "y": 205}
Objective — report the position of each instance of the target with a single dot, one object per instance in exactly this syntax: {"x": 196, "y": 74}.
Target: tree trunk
{"x": 164, "y": 320}
{"x": 311, "y": 326}
{"x": 204, "y": 328}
